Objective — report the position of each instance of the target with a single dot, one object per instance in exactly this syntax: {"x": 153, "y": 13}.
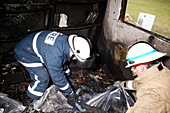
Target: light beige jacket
{"x": 152, "y": 91}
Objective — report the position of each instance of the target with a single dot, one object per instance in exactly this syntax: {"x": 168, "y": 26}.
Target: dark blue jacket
{"x": 50, "y": 48}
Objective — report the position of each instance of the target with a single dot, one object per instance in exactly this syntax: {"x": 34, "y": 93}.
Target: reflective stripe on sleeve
{"x": 34, "y": 43}
{"x": 67, "y": 71}
{"x": 65, "y": 87}
{"x": 129, "y": 84}
{"x": 31, "y": 64}
{"x": 32, "y": 89}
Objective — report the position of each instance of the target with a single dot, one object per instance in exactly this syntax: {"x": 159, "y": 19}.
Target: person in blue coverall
{"x": 45, "y": 55}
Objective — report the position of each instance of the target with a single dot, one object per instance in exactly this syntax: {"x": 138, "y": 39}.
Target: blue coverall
{"x": 45, "y": 55}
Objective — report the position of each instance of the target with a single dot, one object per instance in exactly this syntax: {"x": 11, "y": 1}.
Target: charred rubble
{"x": 88, "y": 84}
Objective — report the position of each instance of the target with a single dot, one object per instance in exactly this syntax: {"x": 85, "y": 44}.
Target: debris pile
{"x": 95, "y": 90}
{"x": 11, "y": 71}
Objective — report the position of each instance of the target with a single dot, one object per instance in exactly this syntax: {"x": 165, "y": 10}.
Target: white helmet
{"x": 142, "y": 52}
{"x": 80, "y": 46}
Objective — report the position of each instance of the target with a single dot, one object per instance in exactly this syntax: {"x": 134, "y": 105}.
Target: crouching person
{"x": 152, "y": 84}
{"x": 46, "y": 55}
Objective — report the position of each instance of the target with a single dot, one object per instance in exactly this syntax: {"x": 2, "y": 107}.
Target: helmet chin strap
{"x": 72, "y": 56}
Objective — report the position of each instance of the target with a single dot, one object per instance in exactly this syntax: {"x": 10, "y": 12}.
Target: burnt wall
{"x": 117, "y": 31}
{"x": 19, "y": 18}
{"x": 112, "y": 55}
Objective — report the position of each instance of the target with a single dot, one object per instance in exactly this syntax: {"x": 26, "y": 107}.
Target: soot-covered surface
{"x": 88, "y": 84}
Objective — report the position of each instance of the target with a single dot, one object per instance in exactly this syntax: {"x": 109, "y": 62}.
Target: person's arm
{"x": 53, "y": 51}
{"x": 149, "y": 102}
{"x": 59, "y": 79}
{"x": 53, "y": 57}
{"x": 55, "y": 69}
{"x": 129, "y": 84}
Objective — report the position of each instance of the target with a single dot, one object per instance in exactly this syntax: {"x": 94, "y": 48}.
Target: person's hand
{"x": 118, "y": 83}
{"x": 71, "y": 99}
{"x": 121, "y": 84}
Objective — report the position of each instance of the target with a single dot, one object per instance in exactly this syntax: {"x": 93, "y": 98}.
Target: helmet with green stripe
{"x": 142, "y": 52}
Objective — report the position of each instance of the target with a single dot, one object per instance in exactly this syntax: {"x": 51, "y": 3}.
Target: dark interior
{"x": 18, "y": 18}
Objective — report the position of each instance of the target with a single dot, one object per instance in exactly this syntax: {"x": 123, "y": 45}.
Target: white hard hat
{"x": 142, "y": 52}
{"x": 80, "y": 46}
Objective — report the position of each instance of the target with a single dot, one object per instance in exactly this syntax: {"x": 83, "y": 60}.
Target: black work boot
{"x": 27, "y": 101}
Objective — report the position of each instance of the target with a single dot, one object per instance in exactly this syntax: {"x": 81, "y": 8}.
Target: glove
{"x": 122, "y": 84}
{"x": 71, "y": 99}
{"x": 118, "y": 83}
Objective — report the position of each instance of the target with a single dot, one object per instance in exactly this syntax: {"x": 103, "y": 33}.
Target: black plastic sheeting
{"x": 114, "y": 99}
{"x": 96, "y": 91}
{"x": 8, "y": 105}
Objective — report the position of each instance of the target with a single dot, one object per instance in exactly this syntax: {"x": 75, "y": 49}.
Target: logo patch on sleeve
{"x": 51, "y": 37}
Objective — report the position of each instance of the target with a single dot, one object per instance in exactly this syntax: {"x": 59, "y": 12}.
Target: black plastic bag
{"x": 8, "y": 105}
{"x": 115, "y": 99}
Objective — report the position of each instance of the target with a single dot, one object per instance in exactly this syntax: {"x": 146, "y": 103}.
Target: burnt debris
{"x": 87, "y": 83}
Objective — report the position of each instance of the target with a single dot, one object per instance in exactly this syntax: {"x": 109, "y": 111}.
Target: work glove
{"x": 121, "y": 84}
{"x": 118, "y": 83}
{"x": 71, "y": 98}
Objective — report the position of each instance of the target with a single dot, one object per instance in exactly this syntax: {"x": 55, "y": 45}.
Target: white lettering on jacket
{"x": 51, "y": 37}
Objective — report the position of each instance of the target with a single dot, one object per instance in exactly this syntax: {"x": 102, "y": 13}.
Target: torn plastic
{"x": 9, "y": 105}
{"x": 53, "y": 100}
{"x": 114, "y": 99}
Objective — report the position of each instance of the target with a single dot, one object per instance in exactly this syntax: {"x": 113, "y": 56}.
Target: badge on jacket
{"x": 51, "y": 37}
